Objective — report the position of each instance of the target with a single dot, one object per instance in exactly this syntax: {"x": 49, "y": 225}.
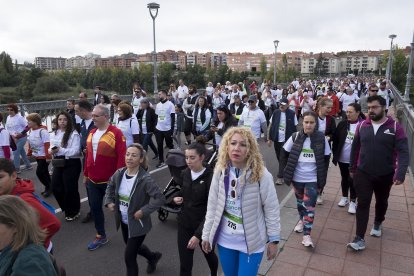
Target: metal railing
{"x": 404, "y": 112}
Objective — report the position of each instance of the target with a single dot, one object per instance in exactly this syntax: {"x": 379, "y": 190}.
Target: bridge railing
{"x": 47, "y": 108}
{"x": 404, "y": 112}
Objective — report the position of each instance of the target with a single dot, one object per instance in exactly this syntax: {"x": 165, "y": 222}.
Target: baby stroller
{"x": 176, "y": 164}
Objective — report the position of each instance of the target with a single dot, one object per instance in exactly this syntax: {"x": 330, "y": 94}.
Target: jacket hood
{"x": 23, "y": 186}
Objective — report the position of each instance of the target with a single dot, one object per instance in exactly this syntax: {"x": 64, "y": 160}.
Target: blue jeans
{"x": 306, "y": 195}
{"x": 147, "y": 141}
{"x": 20, "y": 151}
{"x": 236, "y": 263}
{"x": 96, "y": 193}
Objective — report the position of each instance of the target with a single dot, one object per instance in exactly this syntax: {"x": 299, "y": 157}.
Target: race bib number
{"x": 234, "y": 224}
{"x": 123, "y": 206}
{"x": 282, "y": 128}
{"x": 349, "y": 137}
{"x": 248, "y": 122}
{"x": 161, "y": 115}
{"x": 307, "y": 156}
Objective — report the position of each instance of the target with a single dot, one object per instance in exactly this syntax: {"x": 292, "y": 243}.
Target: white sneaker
{"x": 376, "y": 230}
{"x": 352, "y": 207}
{"x": 299, "y": 227}
{"x": 279, "y": 181}
{"x": 307, "y": 241}
{"x": 319, "y": 200}
{"x": 343, "y": 202}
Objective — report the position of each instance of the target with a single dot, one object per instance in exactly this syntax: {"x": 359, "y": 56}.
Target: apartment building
{"x": 82, "y": 62}
{"x": 50, "y": 63}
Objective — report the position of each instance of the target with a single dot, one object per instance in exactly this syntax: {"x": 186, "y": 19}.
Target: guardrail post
{"x": 409, "y": 74}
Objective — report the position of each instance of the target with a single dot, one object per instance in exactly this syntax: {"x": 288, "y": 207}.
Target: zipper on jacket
{"x": 130, "y": 196}
{"x": 244, "y": 229}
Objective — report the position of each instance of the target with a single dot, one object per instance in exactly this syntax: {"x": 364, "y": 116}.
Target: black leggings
{"x": 347, "y": 182}
{"x": 134, "y": 247}
{"x": 186, "y": 255}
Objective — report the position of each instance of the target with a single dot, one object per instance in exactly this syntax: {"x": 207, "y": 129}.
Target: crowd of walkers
{"x": 230, "y": 208}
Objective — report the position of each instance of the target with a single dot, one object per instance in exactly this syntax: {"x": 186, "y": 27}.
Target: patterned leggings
{"x": 306, "y": 194}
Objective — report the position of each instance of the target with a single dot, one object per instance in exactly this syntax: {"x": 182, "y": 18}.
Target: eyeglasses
{"x": 374, "y": 107}
{"x": 233, "y": 192}
{"x": 374, "y": 90}
{"x": 9, "y": 109}
{"x": 251, "y": 102}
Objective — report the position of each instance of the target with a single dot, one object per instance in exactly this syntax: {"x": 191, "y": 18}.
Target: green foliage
{"x": 263, "y": 67}
{"x": 399, "y": 69}
{"x": 50, "y": 84}
{"x": 7, "y": 74}
{"x": 166, "y": 75}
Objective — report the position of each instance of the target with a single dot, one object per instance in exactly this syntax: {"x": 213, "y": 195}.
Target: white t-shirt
{"x": 322, "y": 125}
{"x": 164, "y": 111}
{"x": 144, "y": 122}
{"x": 129, "y": 127}
{"x": 182, "y": 92}
{"x": 4, "y": 139}
{"x": 376, "y": 126}
{"x": 347, "y": 99}
{"x": 385, "y": 95}
{"x": 73, "y": 147}
{"x": 253, "y": 119}
{"x": 218, "y": 137}
{"x": 15, "y": 124}
{"x": 305, "y": 170}
{"x": 136, "y": 103}
{"x": 95, "y": 141}
{"x": 209, "y": 90}
{"x": 345, "y": 156}
{"x": 37, "y": 139}
{"x": 282, "y": 126}
{"x": 195, "y": 175}
{"x": 124, "y": 195}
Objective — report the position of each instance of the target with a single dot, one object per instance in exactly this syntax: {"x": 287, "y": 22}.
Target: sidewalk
{"x": 391, "y": 254}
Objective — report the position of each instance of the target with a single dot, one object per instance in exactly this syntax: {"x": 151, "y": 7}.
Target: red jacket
{"x": 335, "y": 107}
{"x": 110, "y": 155}
{"x": 24, "y": 189}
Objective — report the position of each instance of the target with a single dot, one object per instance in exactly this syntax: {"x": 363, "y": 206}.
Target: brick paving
{"x": 334, "y": 227}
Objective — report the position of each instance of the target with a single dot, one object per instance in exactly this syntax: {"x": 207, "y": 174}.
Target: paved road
{"x": 70, "y": 243}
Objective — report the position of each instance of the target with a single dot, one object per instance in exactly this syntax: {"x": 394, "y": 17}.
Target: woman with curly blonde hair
{"x": 243, "y": 209}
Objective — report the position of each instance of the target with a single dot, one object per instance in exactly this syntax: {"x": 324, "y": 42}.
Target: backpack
{"x": 49, "y": 207}
{"x": 13, "y": 145}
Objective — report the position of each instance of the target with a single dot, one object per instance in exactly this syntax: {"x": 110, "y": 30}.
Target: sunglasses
{"x": 374, "y": 90}
{"x": 233, "y": 192}
{"x": 251, "y": 101}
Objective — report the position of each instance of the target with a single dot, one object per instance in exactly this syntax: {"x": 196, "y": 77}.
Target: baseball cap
{"x": 284, "y": 101}
{"x": 253, "y": 98}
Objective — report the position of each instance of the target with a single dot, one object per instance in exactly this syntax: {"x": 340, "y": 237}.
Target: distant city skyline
{"x": 67, "y": 29}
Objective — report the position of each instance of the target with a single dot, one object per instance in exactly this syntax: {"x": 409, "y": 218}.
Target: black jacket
{"x": 151, "y": 119}
{"x": 195, "y": 197}
{"x": 338, "y": 140}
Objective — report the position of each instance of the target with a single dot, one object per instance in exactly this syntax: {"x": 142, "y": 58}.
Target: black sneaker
{"x": 152, "y": 265}
{"x": 160, "y": 165}
{"x": 87, "y": 218}
{"x": 46, "y": 193}
{"x": 155, "y": 157}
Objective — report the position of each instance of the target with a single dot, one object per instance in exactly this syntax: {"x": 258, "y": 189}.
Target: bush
{"x": 50, "y": 84}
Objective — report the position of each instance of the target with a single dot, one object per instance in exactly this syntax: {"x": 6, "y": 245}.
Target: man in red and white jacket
{"x": 105, "y": 153}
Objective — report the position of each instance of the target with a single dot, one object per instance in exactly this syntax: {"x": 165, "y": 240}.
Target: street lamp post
{"x": 392, "y": 36}
{"x": 276, "y": 42}
{"x": 153, "y": 10}
{"x": 409, "y": 74}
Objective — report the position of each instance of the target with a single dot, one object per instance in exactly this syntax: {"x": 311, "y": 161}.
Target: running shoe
{"x": 376, "y": 230}
{"x": 72, "y": 218}
{"x": 152, "y": 265}
{"x": 98, "y": 242}
{"x": 299, "y": 227}
{"x": 357, "y": 244}
{"x": 279, "y": 181}
{"x": 307, "y": 241}
{"x": 160, "y": 165}
{"x": 319, "y": 200}
{"x": 343, "y": 202}
{"x": 28, "y": 168}
{"x": 352, "y": 207}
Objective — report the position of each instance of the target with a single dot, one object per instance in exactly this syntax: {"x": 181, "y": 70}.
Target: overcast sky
{"x": 112, "y": 27}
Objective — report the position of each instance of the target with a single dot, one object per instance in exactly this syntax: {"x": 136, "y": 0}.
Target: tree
{"x": 399, "y": 68}
{"x": 7, "y": 76}
{"x": 195, "y": 75}
{"x": 50, "y": 84}
{"x": 28, "y": 82}
{"x": 166, "y": 72}
{"x": 263, "y": 67}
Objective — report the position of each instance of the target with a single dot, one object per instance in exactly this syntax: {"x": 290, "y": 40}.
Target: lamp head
{"x": 392, "y": 36}
{"x": 153, "y": 9}
{"x": 276, "y": 42}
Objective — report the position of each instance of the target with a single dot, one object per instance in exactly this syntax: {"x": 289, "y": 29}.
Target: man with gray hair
{"x": 105, "y": 153}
